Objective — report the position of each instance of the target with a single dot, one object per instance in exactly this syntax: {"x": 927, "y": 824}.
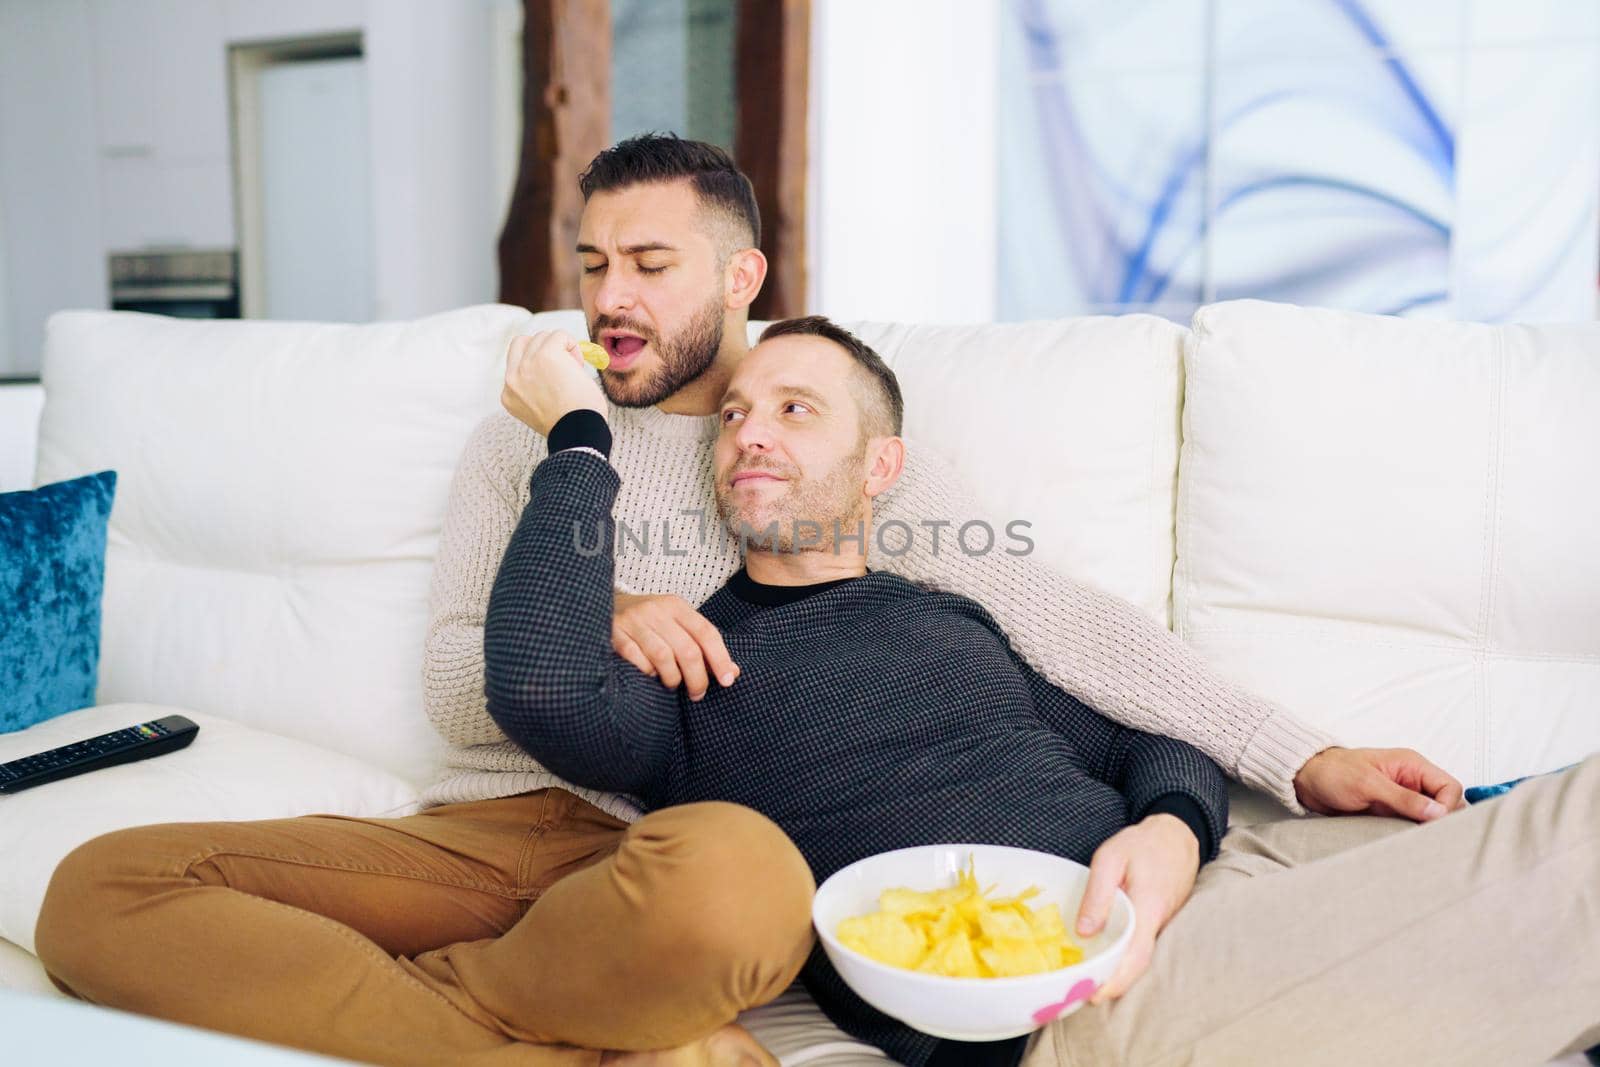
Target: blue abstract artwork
{"x": 1417, "y": 157}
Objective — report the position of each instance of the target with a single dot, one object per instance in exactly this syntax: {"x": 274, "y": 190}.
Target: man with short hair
{"x": 518, "y": 914}
{"x": 667, "y": 249}
{"x": 876, "y": 714}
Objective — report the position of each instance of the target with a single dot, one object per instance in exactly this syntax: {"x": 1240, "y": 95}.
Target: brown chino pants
{"x": 532, "y": 929}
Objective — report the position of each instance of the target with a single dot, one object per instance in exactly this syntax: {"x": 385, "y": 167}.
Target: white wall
{"x": 901, "y": 205}
{"x": 316, "y": 253}
{"x": 161, "y": 122}
{"x": 20, "y": 407}
{"x": 430, "y": 66}
{"x": 49, "y": 171}
{"x": 114, "y": 135}
{"x": 5, "y": 329}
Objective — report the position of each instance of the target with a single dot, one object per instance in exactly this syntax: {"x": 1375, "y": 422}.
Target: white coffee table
{"x": 54, "y": 1030}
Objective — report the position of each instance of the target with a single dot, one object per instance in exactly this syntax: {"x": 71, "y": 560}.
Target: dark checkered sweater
{"x": 872, "y": 715}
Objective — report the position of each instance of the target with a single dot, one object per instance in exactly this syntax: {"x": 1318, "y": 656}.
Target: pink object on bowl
{"x": 1083, "y": 990}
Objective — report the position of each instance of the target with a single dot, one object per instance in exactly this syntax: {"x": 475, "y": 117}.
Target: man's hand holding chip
{"x": 1155, "y": 862}
{"x": 546, "y": 377}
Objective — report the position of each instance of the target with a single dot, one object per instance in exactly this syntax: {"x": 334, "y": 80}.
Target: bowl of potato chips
{"x": 971, "y": 942}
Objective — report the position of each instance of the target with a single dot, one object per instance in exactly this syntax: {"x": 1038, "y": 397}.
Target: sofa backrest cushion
{"x": 1071, "y": 425}
{"x": 281, "y": 488}
{"x": 1389, "y": 526}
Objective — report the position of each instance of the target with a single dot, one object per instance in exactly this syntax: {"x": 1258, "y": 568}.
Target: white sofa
{"x": 1385, "y": 524}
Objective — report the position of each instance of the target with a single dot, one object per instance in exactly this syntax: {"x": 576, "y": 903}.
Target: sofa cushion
{"x": 1389, "y": 526}
{"x": 21, "y": 970}
{"x": 1070, "y": 424}
{"x": 71, "y": 1031}
{"x": 796, "y": 1032}
{"x": 52, "y": 570}
{"x": 229, "y": 772}
{"x": 281, "y": 491}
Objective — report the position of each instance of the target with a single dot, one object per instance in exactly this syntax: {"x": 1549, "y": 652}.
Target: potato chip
{"x": 893, "y": 940}
{"x": 595, "y": 355}
{"x": 962, "y": 932}
{"x": 1011, "y": 957}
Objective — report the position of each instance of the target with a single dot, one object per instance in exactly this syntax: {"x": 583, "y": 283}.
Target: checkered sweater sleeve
{"x": 552, "y": 680}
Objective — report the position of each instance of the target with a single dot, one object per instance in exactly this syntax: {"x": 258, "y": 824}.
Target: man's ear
{"x": 886, "y": 459}
{"x": 742, "y": 278}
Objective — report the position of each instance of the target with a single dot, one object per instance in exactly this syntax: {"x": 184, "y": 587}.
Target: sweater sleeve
{"x": 1149, "y": 771}
{"x": 1095, "y": 646}
{"x": 479, "y": 518}
{"x": 553, "y": 682}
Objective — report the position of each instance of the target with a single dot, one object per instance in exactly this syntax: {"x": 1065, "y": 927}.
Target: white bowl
{"x": 970, "y": 1009}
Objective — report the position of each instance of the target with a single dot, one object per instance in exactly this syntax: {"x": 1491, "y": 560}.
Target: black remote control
{"x": 119, "y": 746}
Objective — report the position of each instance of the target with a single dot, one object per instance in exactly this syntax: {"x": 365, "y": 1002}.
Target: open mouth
{"x": 624, "y": 348}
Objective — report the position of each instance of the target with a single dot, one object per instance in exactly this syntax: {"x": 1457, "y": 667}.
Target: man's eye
{"x": 731, "y": 416}
{"x": 594, "y": 269}
{"x": 651, "y": 270}
{"x": 796, "y": 404}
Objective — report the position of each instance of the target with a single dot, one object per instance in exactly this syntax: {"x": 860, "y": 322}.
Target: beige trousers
{"x": 1360, "y": 942}
{"x": 501, "y": 932}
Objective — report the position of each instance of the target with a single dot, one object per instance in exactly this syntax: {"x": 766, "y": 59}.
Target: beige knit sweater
{"x": 1098, "y": 647}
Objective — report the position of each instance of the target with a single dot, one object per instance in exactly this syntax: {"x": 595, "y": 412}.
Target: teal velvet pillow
{"x": 52, "y": 571}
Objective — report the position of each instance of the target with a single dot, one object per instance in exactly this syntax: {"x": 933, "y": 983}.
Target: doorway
{"x": 302, "y": 178}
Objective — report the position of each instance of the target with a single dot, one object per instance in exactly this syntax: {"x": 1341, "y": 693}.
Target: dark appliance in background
{"x": 186, "y": 283}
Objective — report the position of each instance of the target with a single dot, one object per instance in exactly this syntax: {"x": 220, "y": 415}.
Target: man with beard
{"x": 519, "y": 909}
{"x": 668, "y": 250}
{"x": 875, "y": 714}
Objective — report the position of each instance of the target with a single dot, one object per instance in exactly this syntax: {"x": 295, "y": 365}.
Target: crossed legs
{"x": 533, "y": 929}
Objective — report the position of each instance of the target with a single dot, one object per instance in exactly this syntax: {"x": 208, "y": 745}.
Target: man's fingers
{"x": 514, "y": 352}
{"x": 711, "y": 645}
{"x": 1408, "y": 804}
{"x": 660, "y": 653}
{"x": 1105, "y": 875}
{"x": 629, "y": 649}
{"x": 1134, "y": 963}
{"x": 690, "y": 662}
{"x": 1438, "y": 784}
{"x": 683, "y": 645}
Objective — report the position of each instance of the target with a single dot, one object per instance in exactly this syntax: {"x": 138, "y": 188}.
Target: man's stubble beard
{"x": 681, "y": 360}
{"x": 836, "y": 497}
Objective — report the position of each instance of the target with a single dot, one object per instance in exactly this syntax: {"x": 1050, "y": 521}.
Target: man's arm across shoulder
{"x": 1109, "y": 654}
